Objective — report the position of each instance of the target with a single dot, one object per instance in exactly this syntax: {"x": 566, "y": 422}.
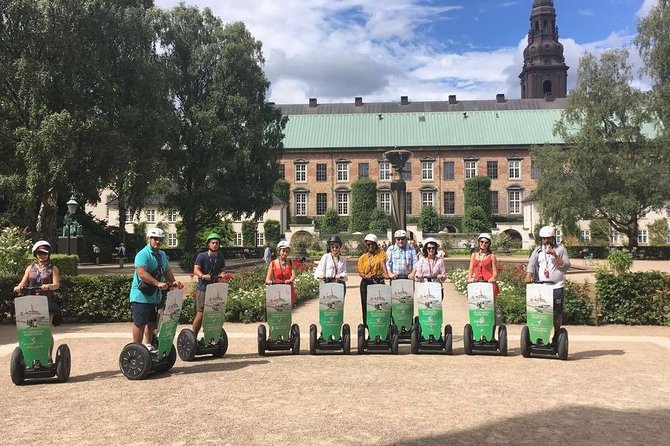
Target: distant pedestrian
{"x": 121, "y": 254}
{"x": 267, "y": 254}
{"x": 96, "y": 254}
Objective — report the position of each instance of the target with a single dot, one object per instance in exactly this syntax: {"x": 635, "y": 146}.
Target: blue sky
{"x": 335, "y": 50}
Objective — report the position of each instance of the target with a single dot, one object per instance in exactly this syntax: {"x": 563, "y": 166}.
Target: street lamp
{"x": 72, "y": 206}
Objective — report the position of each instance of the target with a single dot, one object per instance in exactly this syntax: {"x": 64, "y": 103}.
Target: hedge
{"x": 633, "y": 298}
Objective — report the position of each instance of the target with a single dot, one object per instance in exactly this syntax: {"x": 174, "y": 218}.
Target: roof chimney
{"x": 312, "y": 102}
{"x": 404, "y": 100}
{"x": 500, "y": 97}
{"x": 452, "y": 99}
{"x": 358, "y": 101}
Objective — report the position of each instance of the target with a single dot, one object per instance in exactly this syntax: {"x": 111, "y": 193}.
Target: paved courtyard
{"x": 613, "y": 390}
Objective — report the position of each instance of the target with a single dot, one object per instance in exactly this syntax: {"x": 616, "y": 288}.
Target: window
{"x": 586, "y": 235}
{"x": 514, "y": 169}
{"x": 427, "y": 170}
{"x": 494, "y": 202}
{"x": 642, "y": 236}
{"x": 321, "y": 203}
{"x": 238, "y": 239}
{"x": 470, "y": 169}
{"x": 427, "y": 199}
{"x": 614, "y": 237}
{"x": 514, "y": 205}
{"x": 342, "y": 171}
{"x": 448, "y": 168}
{"x": 260, "y": 218}
{"x": 384, "y": 171}
{"x": 282, "y": 171}
{"x": 534, "y": 170}
{"x": 172, "y": 240}
{"x": 363, "y": 170}
{"x": 129, "y": 216}
{"x": 492, "y": 169}
{"x": 408, "y": 203}
{"x": 343, "y": 203}
{"x": 321, "y": 174}
{"x": 407, "y": 171}
{"x": 260, "y": 239}
{"x": 559, "y": 236}
{"x": 385, "y": 202}
{"x": 172, "y": 215}
{"x": 150, "y": 214}
{"x": 301, "y": 203}
{"x": 301, "y": 173}
{"x": 450, "y": 202}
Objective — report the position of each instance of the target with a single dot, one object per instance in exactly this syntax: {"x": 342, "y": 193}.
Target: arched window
{"x": 547, "y": 87}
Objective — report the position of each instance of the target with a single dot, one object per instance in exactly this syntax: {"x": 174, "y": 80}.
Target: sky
{"x": 335, "y": 50}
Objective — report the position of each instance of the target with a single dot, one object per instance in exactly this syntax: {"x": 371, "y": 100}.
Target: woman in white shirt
{"x": 332, "y": 267}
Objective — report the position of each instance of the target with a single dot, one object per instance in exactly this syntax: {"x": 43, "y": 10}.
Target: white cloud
{"x": 585, "y": 12}
{"x": 647, "y": 5}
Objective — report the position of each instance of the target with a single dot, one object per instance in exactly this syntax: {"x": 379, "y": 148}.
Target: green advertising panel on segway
{"x": 33, "y": 329}
{"x": 482, "y": 310}
{"x": 214, "y": 314}
{"x": 402, "y": 304}
{"x": 540, "y": 312}
{"x": 429, "y": 301}
{"x": 379, "y": 311}
{"x": 331, "y": 309}
{"x": 168, "y": 322}
{"x": 278, "y": 309}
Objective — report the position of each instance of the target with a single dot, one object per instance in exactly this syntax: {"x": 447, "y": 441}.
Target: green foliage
{"x": 302, "y": 241}
{"x": 658, "y": 232}
{"x": 600, "y": 232}
{"x": 282, "y": 189}
{"x": 429, "y": 220}
{"x": 379, "y": 222}
{"x": 363, "y": 198}
{"x": 619, "y": 261}
{"x": 633, "y": 298}
{"x": 502, "y": 240}
{"x": 272, "y": 230}
{"x": 477, "y": 192}
{"x": 223, "y": 227}
{"x": 330, "y": 222}
{"x": 67, "y": 264}
{"x": 14, "y": 244}
{"x": 475, "y": 220}
{"x": 249, "y": 232}
{"x": 577, "y": 304}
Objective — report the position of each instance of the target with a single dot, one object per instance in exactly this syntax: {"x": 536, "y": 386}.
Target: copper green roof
{"x": 422, "y": 129}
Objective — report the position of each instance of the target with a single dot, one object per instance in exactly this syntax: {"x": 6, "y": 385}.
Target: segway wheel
{"x": 187, "y": 344}
{"x": 262, "y": 340}
{"x": 448, "y": 340}
{"x": 395, "y": 339}
{"x": 135, "y": 361}
{"x": 467, "y": 339}
{"x": 346, "y": 339}
{"x": 295, "y": 339}
{"x": 361, "y": 339}
{"x": 525, "y": 341}
{"x": 223, "y": 345}
{"x": 502, "y": 340}
{"x": 312, "y": 339}
{"x": 63, "y": 363}
{"x": 17, "y": 368}
{"x": 167, "y": 363}
{"x": 414, "y": 337}
{"x": 562, "y": 344}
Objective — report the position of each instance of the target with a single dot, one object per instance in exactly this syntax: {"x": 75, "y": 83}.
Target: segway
{"x": 136, "y": 361}
{"x": 427, "y": 333}
{"x": 402, "y": 307}
{"x": 284, "y": 335}
{"x": 536, "y": 334}
{"x": 334, "y": 334}
{"x": 31, "y": 359}
{"x": 383, "y": 334}
{"x": 479, "y": 334}
{"x": 215, "y": 339}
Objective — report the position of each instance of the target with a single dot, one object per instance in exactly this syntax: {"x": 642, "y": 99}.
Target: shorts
{"x": 558, "y": 301}
{"x": 144, "y": 314}
{"x": 200, "y": 301}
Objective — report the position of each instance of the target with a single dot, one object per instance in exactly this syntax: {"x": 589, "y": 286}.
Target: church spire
{"x": 544, "y": 70}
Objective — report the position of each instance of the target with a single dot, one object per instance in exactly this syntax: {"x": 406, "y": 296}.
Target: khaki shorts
{"x": 200, "y": 301}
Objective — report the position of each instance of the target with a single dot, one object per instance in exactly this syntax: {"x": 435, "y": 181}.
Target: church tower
{"x": 544, "y": 70}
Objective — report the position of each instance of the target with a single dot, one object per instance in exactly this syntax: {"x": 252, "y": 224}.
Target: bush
{"x": 330, "y": 222}
{"x": 14, "y": 244}
{"x": 429, "y": 221}
{"x": 577, "y": 304}
{"x": 363, "y": 198}
{"x": 272, "y": 230}
{"x": 379, "y": 222}
{"x": 619, "y": 261}
{"x": 633, "y": 298}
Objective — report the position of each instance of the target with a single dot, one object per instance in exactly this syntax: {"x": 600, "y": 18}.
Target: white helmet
{"x": 41, "y": 245}
{"x": 156, "y": 232}
{"x": 371, "y": 238}
{"x": 431, "y": 240}
{"x": 485, "y": 235}
{"x": 400, "y": 233}
{"x": 283, "y": 244}
{"x": 547, "y": 231}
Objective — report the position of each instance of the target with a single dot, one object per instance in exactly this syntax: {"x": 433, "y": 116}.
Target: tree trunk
{"x": 46, "y": 226}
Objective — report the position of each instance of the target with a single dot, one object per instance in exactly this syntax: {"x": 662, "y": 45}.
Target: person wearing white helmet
{"x": 371, "y": 268}
{"x": 400, "y": 257}
{"x": 152, "y": 276}
{"x": 332, "y": 266}
{"x": 429, "y": 267}
{"x": 484, "y": 268}
{"x": 548, "y": 263}
{"x": 281, "y": 270}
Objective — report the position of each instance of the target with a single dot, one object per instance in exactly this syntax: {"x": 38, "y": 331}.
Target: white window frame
{"x": 301, "y": 173}
{"x": 642, "y": 235}
{"x": 260, "y": 239}
{"x": 384, "y": 171}
{"x": 172, "y": 240}
{"x": 470, "y": 169}
{"x": 300, "y": 203}
{"x": 150, "y": 215}
{"x": 614, "y": 237}
{"x": 342, "y": 171}
{"x": 514, "y": 169}
{"x": 427, "y": 170}
{"x": 342, "y": 203}
{"x": 385, "y": 202}
{"x": 514, "y": 198}
{"x": 238, "y": 239}
{"x": 586, "y": 235}
{"x": 427, "y": 198}
{"x": 171, "y": 215}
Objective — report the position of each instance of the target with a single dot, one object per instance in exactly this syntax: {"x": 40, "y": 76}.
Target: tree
{"x": 330, "y": 222}
{"x": 363, "y": 198}
{"x": 608, "y": 167}
{"x": 227, "y": 139}
{"x": 272, "y": 231}
{"x": 282, "y": 189}
{"x": 658, "y": 232}
{"x": 475, "y": 219}
{"x": 477, "y": 194}
{"x": 249, "y": 233}
{"x": 429, "y": 221}
{"x": 379, "y": 222}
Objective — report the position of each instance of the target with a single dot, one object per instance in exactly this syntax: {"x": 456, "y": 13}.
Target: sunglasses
{"x": 369, "y": 244}
{"x": 334, "y": 245}
{"x": 156, "y": 238}
{"x": 485, "y": 242}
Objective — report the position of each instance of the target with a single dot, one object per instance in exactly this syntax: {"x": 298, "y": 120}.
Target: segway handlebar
{"x": 30, "y": 290}
{"x": 545, "y": 282}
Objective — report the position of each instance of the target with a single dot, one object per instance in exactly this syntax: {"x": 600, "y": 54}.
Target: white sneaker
{"x": 151, "y": 348}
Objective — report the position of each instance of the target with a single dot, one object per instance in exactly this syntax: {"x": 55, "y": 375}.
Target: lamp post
{"x": 72, "y": 206}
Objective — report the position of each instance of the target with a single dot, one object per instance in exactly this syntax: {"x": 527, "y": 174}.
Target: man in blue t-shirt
{"x": 208, "y": 268}
{"x": 152, "y": 270}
